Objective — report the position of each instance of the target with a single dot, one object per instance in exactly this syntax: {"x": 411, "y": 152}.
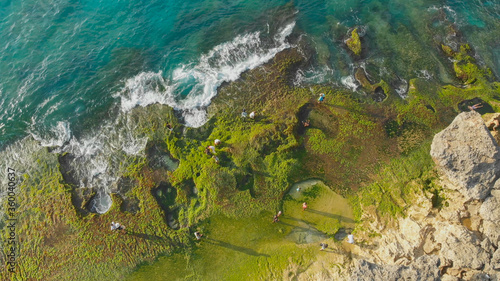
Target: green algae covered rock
{"x": 448, "y": 50}
{"x": 354, "y": 43}
{"x": 378, "y": 91}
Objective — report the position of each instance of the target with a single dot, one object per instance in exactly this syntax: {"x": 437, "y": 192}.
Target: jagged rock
{"x": 491, "y": 230}
{"x": 475, "y": 219}
{"x": 400, "y": 244}
{"x": 490, "y": 210}
{"x": 429, "y": 242}
{"x": 455, "y": 201}
{"x": 461, "y": 246}
{"x": 424, "y": 268}
{"x": 447, "y": 277}
{"x": 421, "y": 208}
{"x": 490, "y": 122}
{"x": 481, "y": 276}
{"x": 495, "y": 260}
{"x": 497, "y": 185}
{"x": 487, "y": 246}
{"x": 467, "y": 155}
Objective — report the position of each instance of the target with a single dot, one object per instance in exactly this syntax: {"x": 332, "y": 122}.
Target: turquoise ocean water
{"x": 65, "y": 64}
{"x": 72, "y": 70}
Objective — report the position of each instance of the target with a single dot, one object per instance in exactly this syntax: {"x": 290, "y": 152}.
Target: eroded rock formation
{"x": 459, "y": 241}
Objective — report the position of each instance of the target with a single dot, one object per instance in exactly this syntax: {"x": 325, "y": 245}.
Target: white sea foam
{"x": 191, "y": 87}
{"x": 349, "y": 82}
{"x": 450, "y": 13}
{"x": 98, "y": 157}
{"x": 402, "y": 88}
{"x": 56, "y": 137}
{"x": 317, "y": 76}
{"x": 425, "y": 74}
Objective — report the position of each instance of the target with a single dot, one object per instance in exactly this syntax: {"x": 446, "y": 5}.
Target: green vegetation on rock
{"x": 374, "y": 154}
{"x": 354, "y": 42}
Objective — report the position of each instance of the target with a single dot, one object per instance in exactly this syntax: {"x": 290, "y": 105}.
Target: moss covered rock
{"x": 354, "y": 42}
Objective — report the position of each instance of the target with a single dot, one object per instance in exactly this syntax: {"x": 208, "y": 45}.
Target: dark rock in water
{"x": 66, "y": 169}
{"x": 342, "y": 234}
{"x": 123, "y": 186}
{"x": 165, "y": 195}
{"x": 424, "y": 268}
{"x": 80, "y": 196}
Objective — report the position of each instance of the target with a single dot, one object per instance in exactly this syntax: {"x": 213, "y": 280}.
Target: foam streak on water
{"x": 99, "y": 157}
{"x": 191, "y": 86}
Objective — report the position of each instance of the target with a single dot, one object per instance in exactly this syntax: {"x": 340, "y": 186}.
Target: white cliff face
{"x": 459, "y": 241}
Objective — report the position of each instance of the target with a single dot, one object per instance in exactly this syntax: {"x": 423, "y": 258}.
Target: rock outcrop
{"x": 467, "y": 155}
{"x": 424, "y": 268}
{"x": 461, "y": 240}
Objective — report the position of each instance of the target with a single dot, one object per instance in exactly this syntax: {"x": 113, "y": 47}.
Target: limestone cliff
{"x": 459, "y": 241}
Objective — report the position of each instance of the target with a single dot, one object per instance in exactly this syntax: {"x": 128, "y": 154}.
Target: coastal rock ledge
{"x": 460, "y": 240}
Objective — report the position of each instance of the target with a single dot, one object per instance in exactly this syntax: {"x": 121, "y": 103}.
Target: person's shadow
{"x": 235, "y": 248}
{"x": 333, "y": 216}
{"x": 145, "y": 236}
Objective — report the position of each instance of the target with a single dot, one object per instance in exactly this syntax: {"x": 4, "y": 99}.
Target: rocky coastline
{"x": 421, "y": 211}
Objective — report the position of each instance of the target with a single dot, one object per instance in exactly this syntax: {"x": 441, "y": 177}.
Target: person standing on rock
{"x": 198, "y": 235}
{"x": 116, "y": 226}
{"x": 216, "y": 159}
{"x": 275, "y": 219}
{"x": 304, "y": 206}
{"x": 350, "y": 238}
{"x": 321, "y": 98}
{"x": 212, "y": 148}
